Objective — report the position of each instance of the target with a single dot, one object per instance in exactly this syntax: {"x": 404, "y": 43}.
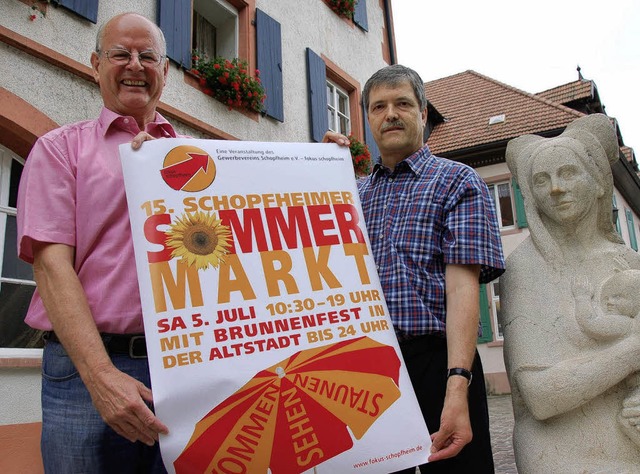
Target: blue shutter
{"x": 85, "y": 8}
{"x": 269, "y": 52}
{"x": 360, "y": 15}
{"x": 368, "y": 138}
{"x": 485, "y": 316}
{"x": 633, "y": 242}
{"x": 521, "y": 216}
{"x": 318, "y": 104}
{"x": 174, "y": 19}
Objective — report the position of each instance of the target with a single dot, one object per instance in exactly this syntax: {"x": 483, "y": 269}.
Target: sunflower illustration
{"x": 199, "y": 239}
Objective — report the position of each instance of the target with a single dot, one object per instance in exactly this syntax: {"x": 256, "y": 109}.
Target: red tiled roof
{"x": 580, "y": 89}
{"x": 467, "y": 100}
{"x": 628, "y": 153}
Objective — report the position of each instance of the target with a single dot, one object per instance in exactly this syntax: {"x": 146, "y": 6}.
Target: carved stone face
{"x": 620, "y": 294}
{"x": 563, "y": 189}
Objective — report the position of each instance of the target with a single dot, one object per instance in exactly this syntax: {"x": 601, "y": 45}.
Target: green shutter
{"x": 615, "y": 206}
{"x": 521, "y": 216}
{"x": 485, "y": 316}
{"x": 632, "y": 230}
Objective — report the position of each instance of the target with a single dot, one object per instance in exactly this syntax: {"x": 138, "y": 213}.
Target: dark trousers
{"x": 426, "y": 361}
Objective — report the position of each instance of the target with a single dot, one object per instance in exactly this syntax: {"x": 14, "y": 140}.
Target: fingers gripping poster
{"x": 270, "y": 346}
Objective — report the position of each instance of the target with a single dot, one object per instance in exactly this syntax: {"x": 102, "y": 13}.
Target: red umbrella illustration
{"x": 298, "y": 413}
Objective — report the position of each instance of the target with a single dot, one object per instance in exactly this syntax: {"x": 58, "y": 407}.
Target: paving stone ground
{"x": 501, "y": 425}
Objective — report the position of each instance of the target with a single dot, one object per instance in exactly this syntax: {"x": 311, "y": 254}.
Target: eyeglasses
{"x": 122, "y": 57}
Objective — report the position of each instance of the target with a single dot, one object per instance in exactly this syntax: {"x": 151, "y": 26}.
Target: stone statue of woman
{"x": 574, "y": 413}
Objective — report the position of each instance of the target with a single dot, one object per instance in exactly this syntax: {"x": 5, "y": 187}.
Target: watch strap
{"x": 460, "y": 371}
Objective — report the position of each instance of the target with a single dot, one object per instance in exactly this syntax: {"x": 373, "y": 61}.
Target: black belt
{"x": 133, "y": 345}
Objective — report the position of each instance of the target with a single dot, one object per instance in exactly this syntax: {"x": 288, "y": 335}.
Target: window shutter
{"x": 269, "y": 52}
{"x": 318, "y": 105}
{"x": 485, "y": 317}
{"x": 174, "y": 19}
{"x": 85, "y": 8}
{"x": 521, "y": 216}
{"x": 617, "y": 215}
{"x": 632, "y": 230}
{"x": 360, "y": 15}
{"x": 368, "y": 138}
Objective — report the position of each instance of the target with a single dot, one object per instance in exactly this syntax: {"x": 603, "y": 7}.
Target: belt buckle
{"x": 132, "y": 342}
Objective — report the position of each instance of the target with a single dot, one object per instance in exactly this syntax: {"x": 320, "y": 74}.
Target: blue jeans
{"x": 75, "y": 440}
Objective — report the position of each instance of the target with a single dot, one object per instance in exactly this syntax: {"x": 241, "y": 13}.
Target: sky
{"x": 531, "y": 45}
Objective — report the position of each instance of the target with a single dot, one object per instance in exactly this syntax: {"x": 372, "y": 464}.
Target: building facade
{"x": 472, "y": 118}
{"x": 313, "y": 64}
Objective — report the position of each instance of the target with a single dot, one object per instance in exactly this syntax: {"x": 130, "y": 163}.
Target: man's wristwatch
{"x": 459, "y": 371}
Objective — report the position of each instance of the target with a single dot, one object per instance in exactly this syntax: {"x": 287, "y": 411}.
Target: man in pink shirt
{"x": 73, "y": 225}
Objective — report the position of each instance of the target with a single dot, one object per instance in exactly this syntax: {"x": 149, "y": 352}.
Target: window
{"x": 215, "y": 28}
{"x": 334, "y": 98}
{"x": 338, "y": 109}
{"x": 495, "y": 308}
{"x": 220, "y": 27}
{"x": 227, "y": 28}
{"x": 503, "y": 198}
{"x": 359, "y": 14}
{"x": 16, "y": 277}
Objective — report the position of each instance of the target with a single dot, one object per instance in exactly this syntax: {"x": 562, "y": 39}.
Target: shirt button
{"x": 390, "y": 180}
{"x": 381, "y": 236}
{"x": 126, "y": 120}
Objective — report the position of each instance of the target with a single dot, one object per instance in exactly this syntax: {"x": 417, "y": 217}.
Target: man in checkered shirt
{"x": 435, "y": 238}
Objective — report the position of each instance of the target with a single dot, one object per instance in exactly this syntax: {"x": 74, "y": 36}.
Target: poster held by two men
{"x": 269, "y": 343}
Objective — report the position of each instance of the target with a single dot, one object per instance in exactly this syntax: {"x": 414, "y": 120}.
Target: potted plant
{"x": 360, "y": 156}
{"x": 344, "y": 8}
{"x": 229, "y": 82}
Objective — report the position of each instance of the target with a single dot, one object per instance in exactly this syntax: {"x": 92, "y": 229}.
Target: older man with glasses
{"x": 73, "y": 226}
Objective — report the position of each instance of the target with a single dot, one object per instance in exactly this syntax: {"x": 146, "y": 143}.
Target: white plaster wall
{"x": 306, "y": 23}
{"x": 62, "y": 96}
{"x": 492, "y": 358}
{"x": 66, "y": 98}
{"x": 20, "y": 395}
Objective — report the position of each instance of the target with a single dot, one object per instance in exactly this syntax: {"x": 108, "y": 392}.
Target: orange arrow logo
{"x": 188, "y": 168}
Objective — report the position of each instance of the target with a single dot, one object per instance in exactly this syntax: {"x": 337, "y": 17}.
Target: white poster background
{"x": 185, "y": 392}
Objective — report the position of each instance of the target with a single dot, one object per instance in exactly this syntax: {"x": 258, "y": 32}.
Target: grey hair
{"x": 100, "y": 34}
{"x": 395, "y": 75}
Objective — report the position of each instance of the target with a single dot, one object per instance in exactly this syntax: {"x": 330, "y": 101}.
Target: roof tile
{"x": 467, "y": 100}
{"x": 580, "y": 89}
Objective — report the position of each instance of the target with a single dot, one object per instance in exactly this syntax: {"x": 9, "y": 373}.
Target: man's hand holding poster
{"x": 270, "y": 348}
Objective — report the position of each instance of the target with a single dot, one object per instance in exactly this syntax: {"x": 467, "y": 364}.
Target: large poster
{"x": 269, "y": 343}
